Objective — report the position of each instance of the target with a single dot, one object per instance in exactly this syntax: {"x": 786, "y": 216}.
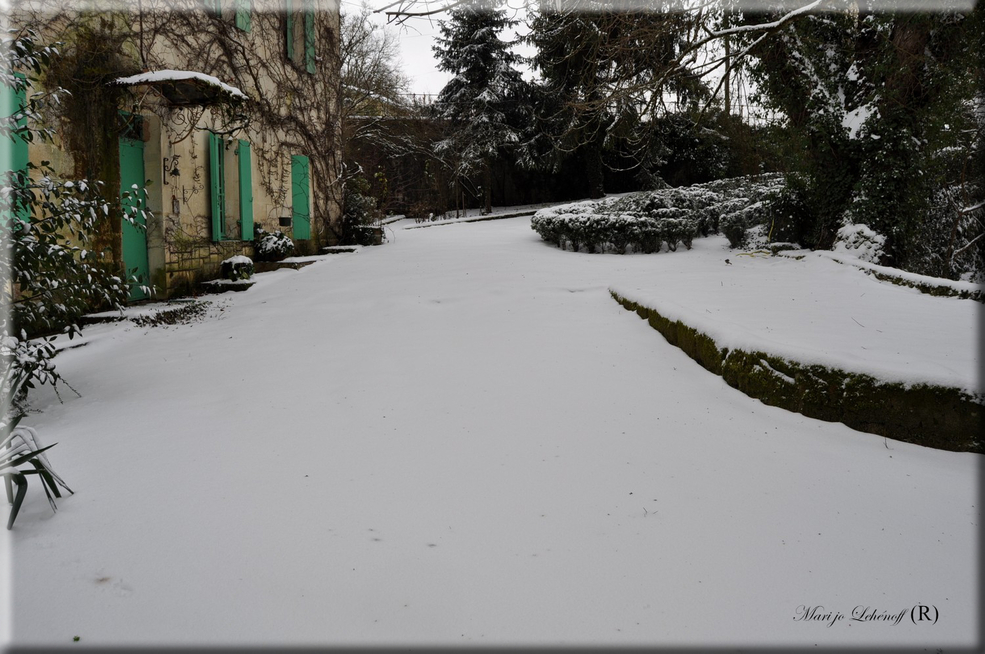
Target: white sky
{"x": 416, "y": 37}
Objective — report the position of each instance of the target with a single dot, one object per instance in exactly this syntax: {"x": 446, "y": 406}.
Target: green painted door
{"x": 134, "y": 237}
{"x": 13, "y": 149}
{"x": 300, "y": 197}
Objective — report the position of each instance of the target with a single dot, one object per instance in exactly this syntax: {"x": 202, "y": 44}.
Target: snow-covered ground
{"x": 460, "y": 438}
{"x": 817, "y": 311}
{"x": 470, "y": 215}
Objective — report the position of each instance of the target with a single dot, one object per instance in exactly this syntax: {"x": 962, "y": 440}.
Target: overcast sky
{"x": 416, "y": 37}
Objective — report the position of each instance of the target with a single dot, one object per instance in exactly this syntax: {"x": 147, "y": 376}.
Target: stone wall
{"x": 924, "y": 414}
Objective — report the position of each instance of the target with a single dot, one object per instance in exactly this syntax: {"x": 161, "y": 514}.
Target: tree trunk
{"x": 487, "y": 186}
{"x": 593, "y": 169}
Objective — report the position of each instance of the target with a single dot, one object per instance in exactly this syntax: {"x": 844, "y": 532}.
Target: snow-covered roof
{"x": 174, "y": 77}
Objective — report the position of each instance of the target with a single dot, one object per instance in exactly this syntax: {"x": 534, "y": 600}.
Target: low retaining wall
{"x": 924, "y": 414}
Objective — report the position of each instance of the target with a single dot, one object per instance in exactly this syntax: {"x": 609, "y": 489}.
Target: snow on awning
{"x": 185, "y": 87}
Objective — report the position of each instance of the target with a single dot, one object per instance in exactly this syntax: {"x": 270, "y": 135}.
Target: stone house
{"x": 219, "y": 116}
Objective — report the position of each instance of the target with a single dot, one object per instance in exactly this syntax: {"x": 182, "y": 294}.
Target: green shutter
{"x": 134, "y": 236}
{"x": 245, "y": 191}
{"x": 289, "y": 29}
{"x": 309, "y": 36}
{"x": 243, "y": 18}
{"x": 300, "y": 191}
{"x": 14, "y": 147}
{"x": 217, "y": 186}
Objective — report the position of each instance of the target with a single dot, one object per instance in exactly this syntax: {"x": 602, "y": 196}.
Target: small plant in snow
{"x": 22, "y": 454}
{"x": 861, "y": 242}
{"x": 271, "y": 246}
{"x": 237, "y": 268}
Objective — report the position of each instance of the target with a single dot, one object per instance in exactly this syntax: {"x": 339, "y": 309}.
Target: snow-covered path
{"x": 459, "y": 437}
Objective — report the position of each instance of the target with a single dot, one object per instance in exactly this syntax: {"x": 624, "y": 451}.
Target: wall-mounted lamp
{"x": 171, "y": 167}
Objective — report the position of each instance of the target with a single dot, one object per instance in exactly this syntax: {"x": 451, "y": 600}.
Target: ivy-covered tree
{"x": 481, "y": 104}
{"x": 882, "y": 105}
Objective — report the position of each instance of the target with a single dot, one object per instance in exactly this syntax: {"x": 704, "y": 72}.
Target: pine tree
{"x": 567, "y": 59}
{"x": 480, "y": 103}
{"x": 604, "y": 74}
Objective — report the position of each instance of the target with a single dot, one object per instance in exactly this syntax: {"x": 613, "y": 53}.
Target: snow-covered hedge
{"x": 646, "y": 221}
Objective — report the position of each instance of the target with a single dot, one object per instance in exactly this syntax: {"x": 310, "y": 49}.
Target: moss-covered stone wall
{"x": 924, "y": 414}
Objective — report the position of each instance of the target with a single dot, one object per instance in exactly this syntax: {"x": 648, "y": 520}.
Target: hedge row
{"x": 615, "y": 233}
{"x": 646, "y": 221}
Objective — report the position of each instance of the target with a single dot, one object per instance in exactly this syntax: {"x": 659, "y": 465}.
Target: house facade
{"x": 219, "y": 117}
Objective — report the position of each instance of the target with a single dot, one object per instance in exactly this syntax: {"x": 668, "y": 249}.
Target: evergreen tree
{"x": 604, "y": 75}
{"x": 567, "y": 59}
{"x": 480, "y": 104}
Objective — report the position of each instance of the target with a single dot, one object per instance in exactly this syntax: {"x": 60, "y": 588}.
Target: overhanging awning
{"x": 184, "y": 88}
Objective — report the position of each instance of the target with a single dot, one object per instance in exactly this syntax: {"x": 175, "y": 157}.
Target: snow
{"x": 854, "y": 120}
{"x": 860, "y": 241}
{"x": 176, "y": 75}
{"x": 239, "y": 260}
{"x": 816, "y": 311}
{"x": 460, "y": 438}
{"x": 843, "y": 256}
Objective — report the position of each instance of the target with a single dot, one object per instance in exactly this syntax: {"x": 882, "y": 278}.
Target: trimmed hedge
{"x": 645, "y": 222}
{"x": 924, "y": 414}
{"x": 615, "y": 233}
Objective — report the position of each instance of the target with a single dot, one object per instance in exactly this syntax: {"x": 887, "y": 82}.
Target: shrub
{"x": 271, "y": 246}
{"x": 358, "y": 211}
{"x": 860, "y": 241}
{"x": 734, "y": 227}
{"x": 789, "y": 214}
{"x": 645, "y": 221}
{"x": 237, "y": 268}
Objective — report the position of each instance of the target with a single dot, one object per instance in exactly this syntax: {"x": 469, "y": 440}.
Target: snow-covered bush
{"x": 951, "y": 236}
{"x": 860, "y": 241}
{"x": 644, "y": 222}
{"x": 271, "y": 246}
{"x": 735, "y": 224}
{"x": 359, "y": 210}
{"x": 237, "y": 268}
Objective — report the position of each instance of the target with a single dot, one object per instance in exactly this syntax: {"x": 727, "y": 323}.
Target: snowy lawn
{"x": 459, "y": 437}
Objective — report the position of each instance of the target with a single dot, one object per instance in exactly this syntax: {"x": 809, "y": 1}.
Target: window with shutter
{"x": 245, "y": 191}
{"x": 309, "y": 36}
{"x": 243, "y": 17}
{"x": 300, "y": 194}
{"x": 217, "y": 185}
{"x": 289, "y": 29}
